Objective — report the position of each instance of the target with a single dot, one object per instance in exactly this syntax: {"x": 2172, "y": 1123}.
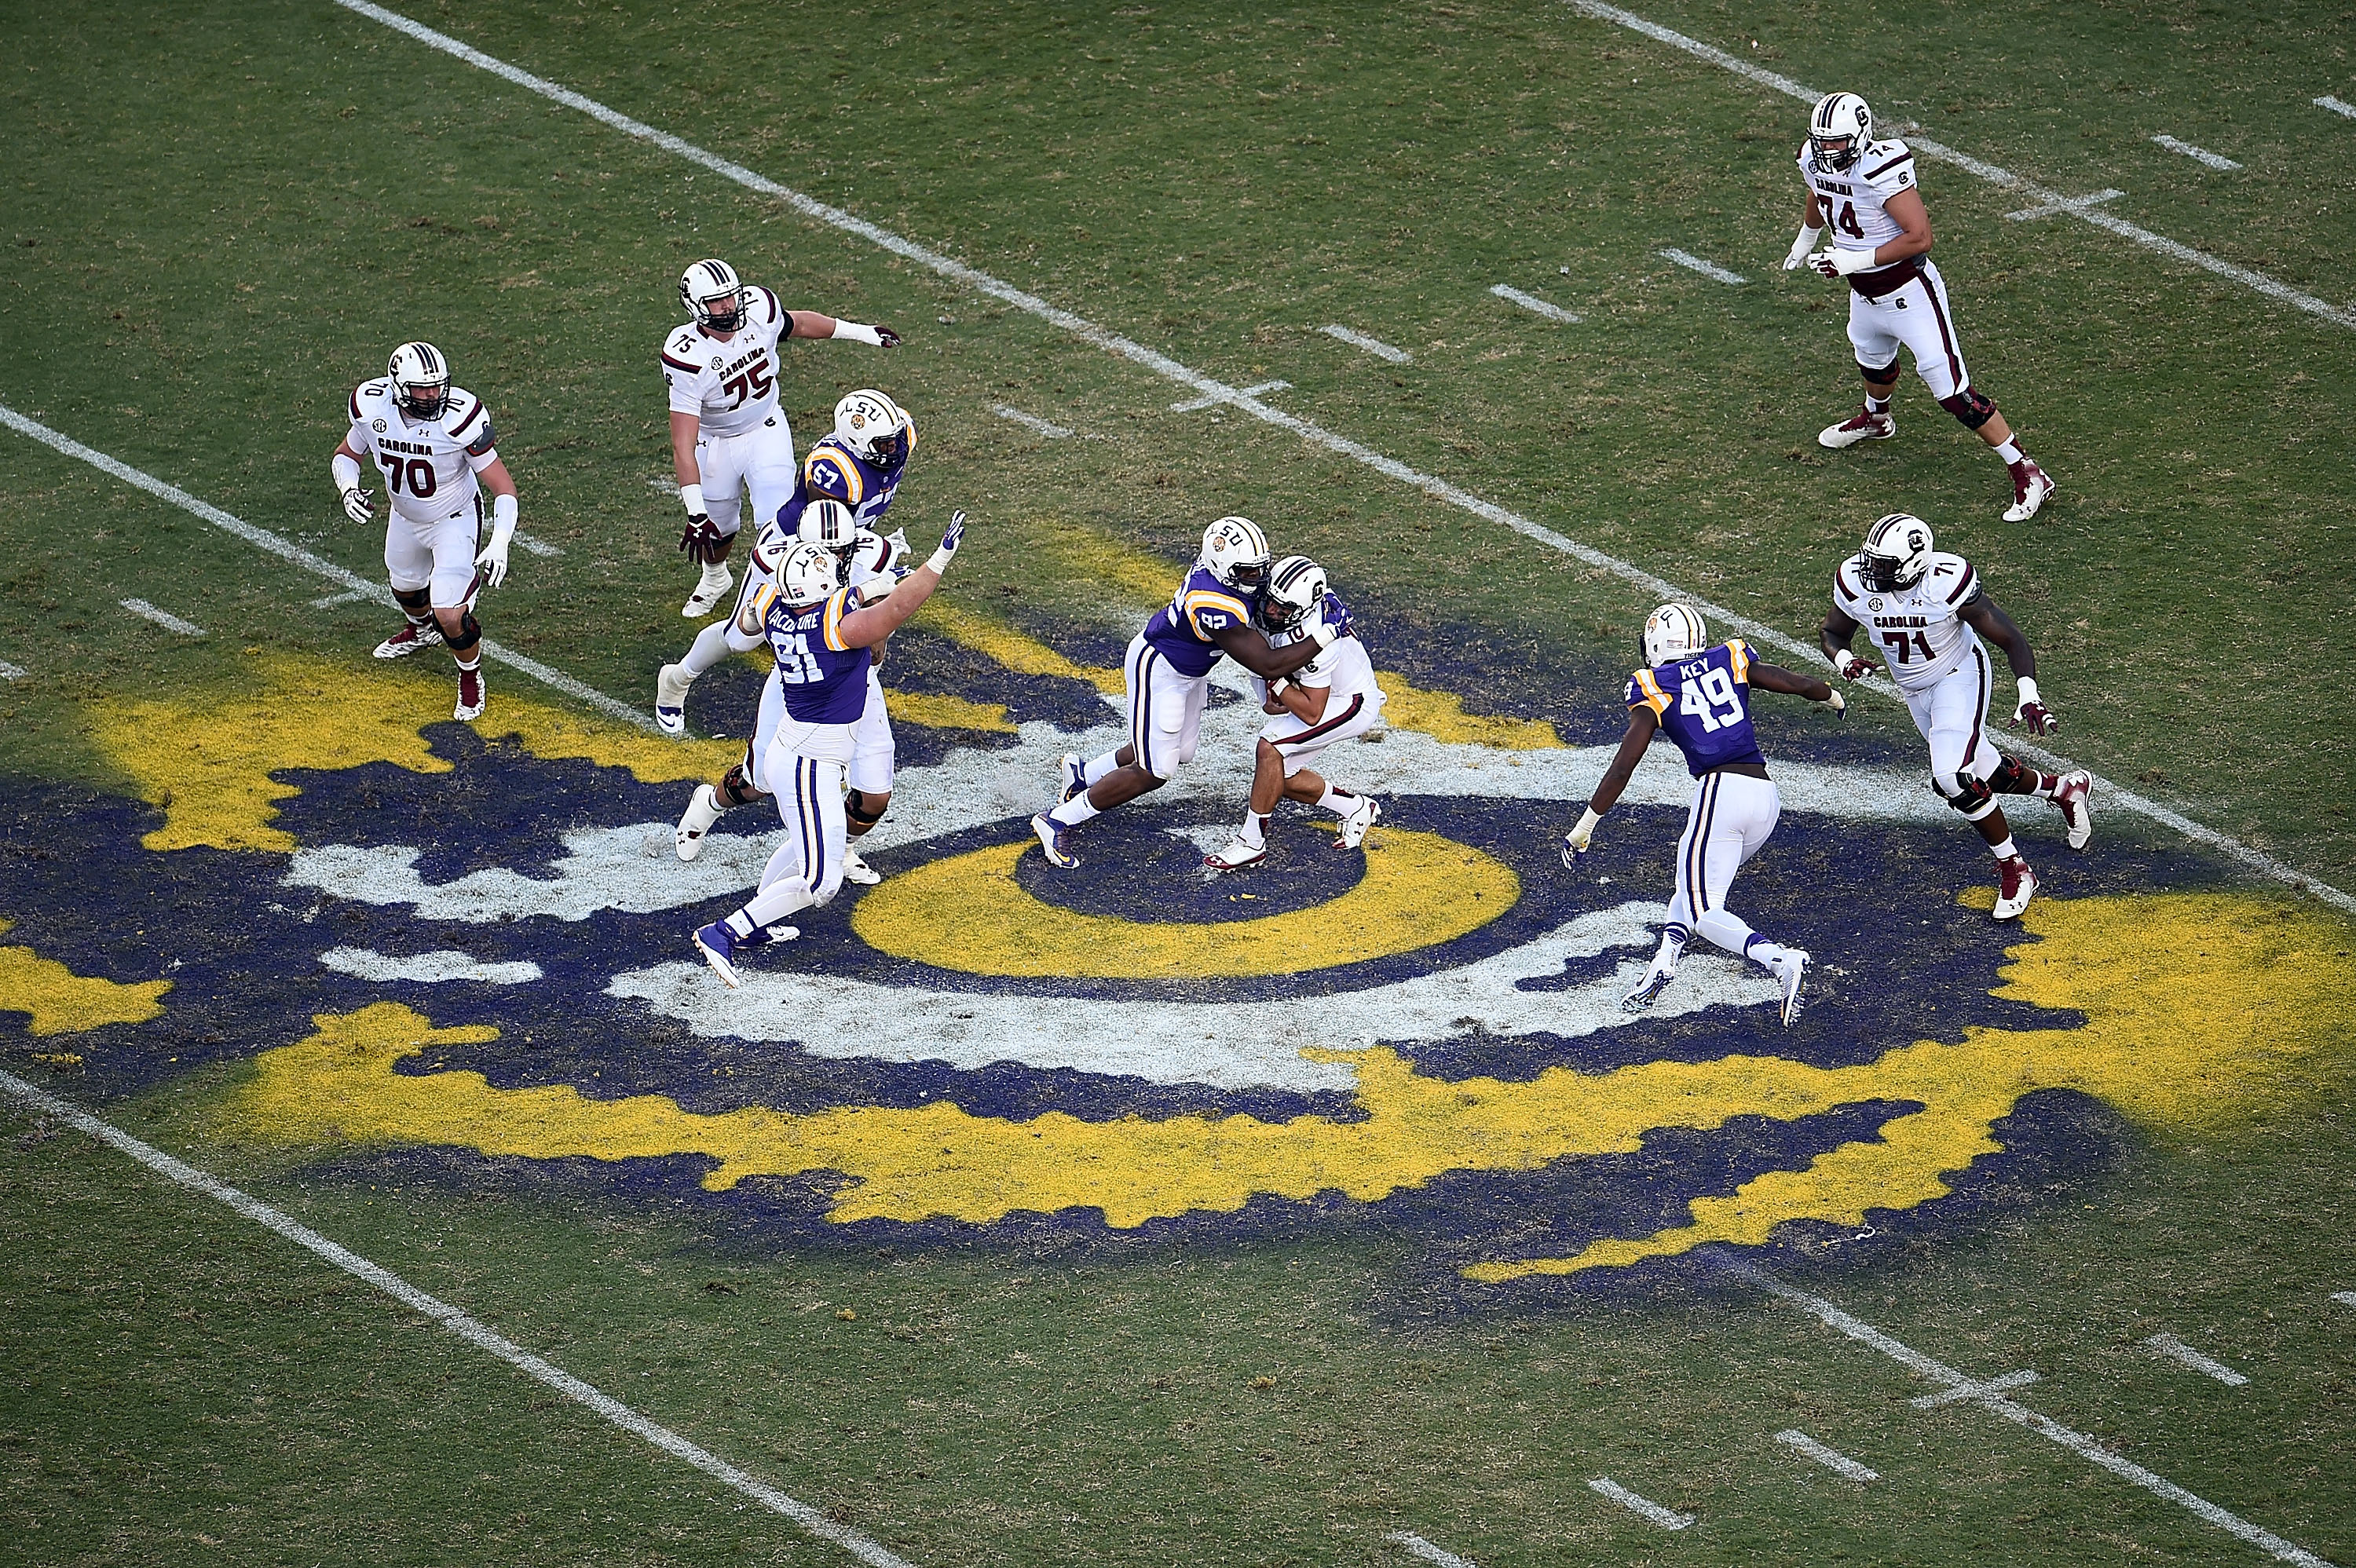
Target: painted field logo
{"x": 427, "y": 942}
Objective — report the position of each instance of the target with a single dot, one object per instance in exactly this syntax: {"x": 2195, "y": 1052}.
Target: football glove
{"x": 355, "y": 504}
{"x": 885, "y": 337}
{"x": 702, "y": 541}
{"x": 1580, "y": 839}
{"x": 2032, "y": 715}
{"x": 949, "y": 542}
{"x": 1337, "y": 615}
{"x": 1848, "y": 667}
{"x": 1802, "y": 246}
{"x": 493, "y": 561}
{"x": 1834, "y": 262}
{"x": 1840, "y": 706}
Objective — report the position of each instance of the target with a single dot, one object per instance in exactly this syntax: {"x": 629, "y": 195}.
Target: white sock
{"x": 1100, "y": 766}
{"x": 2006, "y": 850}
{"x": 1255, "y": 828}
{"x": 770, "y": 905}
{"x": 715, "y": 571}
{"x": 1074, "y": 811}
{"x": 1672, "y": 948}
{"x": 2010, "y": 449}
{"x": 1874, "y": 405}
{"x": 1761, "y": 951}
{"x": 1340, "y": 802}
{"x": 710, "y": 648}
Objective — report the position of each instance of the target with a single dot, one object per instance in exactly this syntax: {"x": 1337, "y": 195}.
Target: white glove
{"x": 493, "y": 561}
{"x": 1834, "y": 262}
{"x": 1802, "y": 246}
{"x": 355, "y": 504}
{"x": 1577, "y": 841}
{"x": 1324, "y": 635}
{"x": 1848, "y": 667}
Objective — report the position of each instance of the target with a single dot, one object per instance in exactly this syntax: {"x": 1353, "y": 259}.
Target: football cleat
{"x": 1076, "y": 776}
{"x": 2019, "y": 884}
{"x": 1791, "y": 969}
{"x": 2074, "y": 795}
{"x": 855, "y": 869}
{"x": 703, "y": 810}
{"x": 718, "y": 945}
{"x": 2031, "y": 486}
{"x": 717, "y": 580}
{"x": 1648, "y": 989}
{"x": 470, "y": 696}
{"x": 1355, "y": 825}
{"x": 409, "y": 639}
{"x": 1052, "y": 837}
{"x": 670, "y": 698}
{"x": 1863, "y": 426}
{"x": 1242, "y": 852}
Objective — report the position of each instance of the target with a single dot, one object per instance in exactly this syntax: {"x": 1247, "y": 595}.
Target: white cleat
{"x": 1648, "y": 989}
{"x": 717, "y": 580}
{"x": 409, "y": 639}
{"x": 1791, "y": 969}
{"x": 2020, "y": 885}
{"x": 670, "y": 698}
{"x": 855, "y": 869}
{"x": 1861, "y": 426}
{"x": 1236, "y": 855}
{"x": 2076, "y": 798}
{"x": 703, "y": 810}
{"x": 1075, "y": 775}
{"x": 2031, "y": 486}
{"x": 1355, "y": 825}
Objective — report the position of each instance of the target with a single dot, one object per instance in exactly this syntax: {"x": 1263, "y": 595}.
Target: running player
{"x": 727, "y": 433}
{"x": 1169, "y": 668}
{"x": 1700, "y": 696}
{"x": 1331, "y": 698}
{"x": 1925, "y": 607}
{"x": 820, "y": 634}
{"x": 434, "y": 443}
{"x": 1864, "y": 190}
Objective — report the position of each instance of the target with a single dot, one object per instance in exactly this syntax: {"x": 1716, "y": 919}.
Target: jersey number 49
{"x": 1703, "y": 698}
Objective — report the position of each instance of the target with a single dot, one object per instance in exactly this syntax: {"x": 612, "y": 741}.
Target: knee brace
{"x": 2011, "y": 778}
{"x": 856, "y": 807}
{"x": 1970, "y": 407}
{"x": 1885, "y": 377}
{"x": 470, "y": 634}
{"x": 736, "y": 784}
{"x": 1967, "y": 795}
{"x": 417, "y": 603}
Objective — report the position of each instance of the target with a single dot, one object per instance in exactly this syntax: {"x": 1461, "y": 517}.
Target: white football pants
{"x": 1165, "y": 709}
{"x": 760, "y": 461}
{"x": 808, "y": 760}
{"x": 1914, "y": 314}
{"x": 438, "y": 554}
{"x": 1728, "y": 822}
{"x": 1952, "y": 713}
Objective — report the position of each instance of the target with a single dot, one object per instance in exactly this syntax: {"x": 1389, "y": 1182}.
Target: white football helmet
{"x": 1296, "y": 588}
{"x": 875, "y": 429}
{"x": 808, "y": 574}
{"x": 715, "y": 297}
{"x": 1897, "y": 553}
{"x": 1839, "y": 129}
{"x": 832, "y": 527}
{"x": 1235, "y": 552}
{"x": 1675, "y": 631}
{"x": 421, "y": 380}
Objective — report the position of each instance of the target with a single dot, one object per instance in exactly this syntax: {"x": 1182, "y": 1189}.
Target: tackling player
{"x": 727, "y": 433}
{"x": 1699, "y": 697}
{"x": 1332, "y": 697}
{"x": 1923, "y": 607}
{"x": 1169, "y": 667}
{"x": 1864, "y": 191}
{"x": 435, "y": 443}
{"x": 821, "y": 634}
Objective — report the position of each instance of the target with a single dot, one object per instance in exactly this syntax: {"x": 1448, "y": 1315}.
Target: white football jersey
{"x": 730, "y": 387}
{"x": 1852, "y": 201}
{"x": 428, "y": 465}
{"x": 1344, "y": 670}
{"x": 1918, "y": 632}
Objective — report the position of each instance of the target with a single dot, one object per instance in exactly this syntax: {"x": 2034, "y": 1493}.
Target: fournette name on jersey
{"x": 823, "y": 678}
{"x": 730, "y": 387}
{"x": 1853, "y": 200}
{"x": 429, "y": 466}
{"x": 1919, "y": 632}
{"x": 1703, "y": 706}
{"x": 1185, "y": 630}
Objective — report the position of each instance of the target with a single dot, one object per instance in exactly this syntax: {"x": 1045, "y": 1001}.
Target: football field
{"x": 383, "y": 1177}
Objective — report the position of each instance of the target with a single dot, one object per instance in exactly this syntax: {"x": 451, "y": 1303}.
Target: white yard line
{"x": 1416, "y": 1545}
{"x": 1374, "y": 346}
{"x": 164, "y": 618}
{"x": 318, "y": 566}
{"x": 534, "y": 546}
{"x": 2198, "y": 154}
{"x": 1831, "y": 1458}
{"x": 1032, "y": 422}
{"x": 1687, "y": 258}
{"x": 1983, "y": 1391}
{"x": 1169, "y": 369}
{"x": 2176, "y": 1349}
{"x": 2052, "y": 208}
{"x": 1192, "y": 405}
{"x": 11, "y": 671}
{"x": 1532, "y": 303}
{"x": 2327, "y": 101}
{"x": 1666, "y": 1518}
{"x": 2345, "y": 1297}
{"x": 2078, "y": 1442}
{"x": 475, "y": 1333}
{"x": 2174, "y": 249}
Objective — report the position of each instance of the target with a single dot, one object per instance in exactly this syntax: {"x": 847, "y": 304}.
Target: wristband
{"x": 346, "y": 473}
{"x": 1276, "y": 688}
{"x": 1323, "y": 634}
{"x": 858, "y": 334}
{"x": 503, "y": 515}
{"x": 691, "y": 497}
{"x": 1845, "y": 663}
{"x": 939, "y": 561}
{"x": 2028, "y": 689}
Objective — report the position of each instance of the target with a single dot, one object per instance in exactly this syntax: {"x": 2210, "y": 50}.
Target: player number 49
{"x": 1703, "y": 698}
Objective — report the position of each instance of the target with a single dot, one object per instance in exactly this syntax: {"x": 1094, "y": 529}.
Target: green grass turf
{"x": 220, "y": 221}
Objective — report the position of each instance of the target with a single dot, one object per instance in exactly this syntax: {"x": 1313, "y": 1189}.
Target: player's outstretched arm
{"x": 1642, "y": 723}
{"x": 865, "y": 627}
{"x": 811, "y": 323}
{"x": 1775, "y": 677}
{"x": 1251, "y": 650}
{"x": 1984, "y": 616}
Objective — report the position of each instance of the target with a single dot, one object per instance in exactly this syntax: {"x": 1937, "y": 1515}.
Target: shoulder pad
{"x": 1886, "y": 166}
{"x": 769, "y": 298}
{"x": 834, "y": 473}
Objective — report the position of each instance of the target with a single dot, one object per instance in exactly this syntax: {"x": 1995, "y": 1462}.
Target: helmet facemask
{"x": 1296, "y": 587}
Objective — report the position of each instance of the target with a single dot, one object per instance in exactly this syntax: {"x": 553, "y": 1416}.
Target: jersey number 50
{"x": 1702, "y": 699}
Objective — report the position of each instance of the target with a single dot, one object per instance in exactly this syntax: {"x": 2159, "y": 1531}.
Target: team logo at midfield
{"x": 423, "y": 942}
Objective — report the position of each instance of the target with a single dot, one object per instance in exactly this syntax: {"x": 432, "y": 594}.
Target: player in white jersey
{"x": 434, "y": 445}
{"x": 728, "y": 436}
{"x": 1922, "y": 609}
{"x": 1864, "y": 190}
{"x": 1331, "y": 698}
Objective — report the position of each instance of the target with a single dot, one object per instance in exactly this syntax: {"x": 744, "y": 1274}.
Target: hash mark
{"x": 1707, "y": 269}
{"x": 1532, "y": 303}
{"x": 1831, "y": 1458}
{"x": 1666, "y": 1518}
{"x": 2176, "y": 1349}
{"x": 2198, "y": 154}
{"x": 1032, "y": 422}
{"x": 163, "y": 618}
{"x": 1374, "y": 346}
{"x": 1416, "y": 1545}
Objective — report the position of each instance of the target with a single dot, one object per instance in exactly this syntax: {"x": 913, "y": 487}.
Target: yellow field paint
{"x": 2194, "y": 1005}
{"x": 934, "y": 712}
{"x": 211, "y": 765}
{"x": 1442, "y": 716}
{"x": 968, "y": 912}
{"x": 1018, "y": 651}
{"x": 59, "y": 1001}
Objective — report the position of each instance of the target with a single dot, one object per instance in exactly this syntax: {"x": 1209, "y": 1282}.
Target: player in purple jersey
{"x": 1169, "y": 667}
{"x": 1699, "y": 696}
{"x": 819, "y": 633}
